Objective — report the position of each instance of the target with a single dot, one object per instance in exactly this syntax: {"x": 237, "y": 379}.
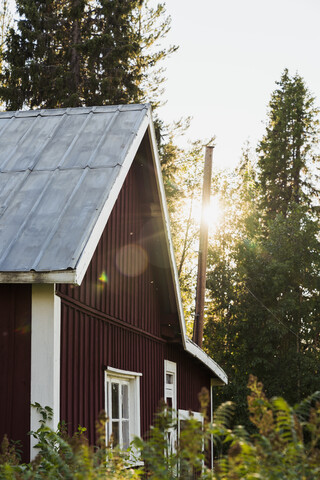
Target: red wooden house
{"x": 90, "y": 309}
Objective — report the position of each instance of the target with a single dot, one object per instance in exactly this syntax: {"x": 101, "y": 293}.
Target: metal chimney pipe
{"x": 203, "y": 250}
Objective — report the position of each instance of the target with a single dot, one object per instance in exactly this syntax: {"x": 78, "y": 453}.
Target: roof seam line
{"x": 18, "y": 143}
{"x": 102, "y": 139}
{"x": 53, "y": 230}
{"x": 75, "y": 139}
{"x": 35, "y": 205}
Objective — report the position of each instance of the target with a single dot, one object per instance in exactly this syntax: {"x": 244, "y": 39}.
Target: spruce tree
{"x": 5, "y": 21}
{"x": 68, "y": 53}
{"x": 265, "y": 274}
{"x": 286, "y": 152}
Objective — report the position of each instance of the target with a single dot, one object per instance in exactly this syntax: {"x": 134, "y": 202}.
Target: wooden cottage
{"x": 90, "y": 309}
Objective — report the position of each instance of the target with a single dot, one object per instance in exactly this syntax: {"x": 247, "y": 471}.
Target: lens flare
{"x": 132, "y": 260}
{"x": 103, "y": 277}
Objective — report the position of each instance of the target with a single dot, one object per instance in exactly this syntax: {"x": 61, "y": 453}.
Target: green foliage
{"x": 287, "y": 151}
{"x": 285, "y": 445}
{"x": 68, "y": 458}
{"x": 69, "y": 53}
{"x": 264, "y": 276}
{"x": 5, "y": 23}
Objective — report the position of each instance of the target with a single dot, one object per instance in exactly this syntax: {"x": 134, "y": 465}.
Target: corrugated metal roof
{"x": 57, "y": 171}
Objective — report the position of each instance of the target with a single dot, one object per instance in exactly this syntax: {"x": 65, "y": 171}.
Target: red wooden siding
{"x": 120, "y": 280}
{"x": 191, "y": 377}
{"x": 117, "y": 316}
{"x": 89, "y": 345}
{"x": 15, "y": 361}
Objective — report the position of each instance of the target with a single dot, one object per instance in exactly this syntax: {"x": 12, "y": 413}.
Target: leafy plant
{"x": 285, "y": 445}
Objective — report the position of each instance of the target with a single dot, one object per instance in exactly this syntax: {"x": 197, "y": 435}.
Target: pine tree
{"x": 5, "y": 21}
{"x": 68, "y": 53}
{"x": 286, "y": 152}
{"x": 265, "y": 285}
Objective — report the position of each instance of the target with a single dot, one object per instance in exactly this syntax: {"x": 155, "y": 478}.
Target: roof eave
{"x": 58, "y": 276}
{"x": 220, "y": 376}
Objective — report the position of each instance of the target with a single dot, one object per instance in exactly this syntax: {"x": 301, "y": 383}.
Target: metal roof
{"x": 58, "y": 172}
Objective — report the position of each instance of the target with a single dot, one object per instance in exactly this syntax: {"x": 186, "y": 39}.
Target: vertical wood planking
{"x": 118, "y": 347}
{"x": 15, "y": 360}
{"x": 128, "y": 298}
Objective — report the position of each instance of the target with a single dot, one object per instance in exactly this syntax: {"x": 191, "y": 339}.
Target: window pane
{"x": 169, "y": 378}
{"x": 115, "y": 400}
{"x": 125, "y": 434}
{"x": 115, "y": 433}
{"x": 125, "y": 401}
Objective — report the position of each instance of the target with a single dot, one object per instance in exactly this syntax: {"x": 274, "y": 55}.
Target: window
{"x": 185, "y": 471}
{"x": 170, "y": 384}
{"x": 170, "y": 397}
{"x": 184, "y": 416}
{"x": 122, "y": 397}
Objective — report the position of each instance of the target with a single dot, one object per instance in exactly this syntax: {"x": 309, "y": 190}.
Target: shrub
{"x": 285, "y": 445}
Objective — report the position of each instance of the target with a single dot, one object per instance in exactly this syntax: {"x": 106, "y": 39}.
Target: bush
{"x": 286, "y": 446}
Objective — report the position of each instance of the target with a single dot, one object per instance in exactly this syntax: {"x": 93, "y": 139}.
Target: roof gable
{"x": 61, "y": 171}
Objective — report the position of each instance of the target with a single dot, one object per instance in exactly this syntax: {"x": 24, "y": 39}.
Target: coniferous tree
{"x": 286, "y": 152}
{"x": 5, "y": 21}
{"x": 68, "y": 53}
{"x": 265, "y": 285}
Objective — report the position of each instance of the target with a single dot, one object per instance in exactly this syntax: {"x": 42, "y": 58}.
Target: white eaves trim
{"x": 166, "y": 219}
{"x": 58, "y": 276}
{"x": 197, "y": 352}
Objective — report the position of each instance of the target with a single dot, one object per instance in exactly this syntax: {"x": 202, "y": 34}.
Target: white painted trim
{"x": 62, "y": 276}
{"x": 211, "y": 421}
{"x": 170, "y": 392}
{"x": 165, "y": 214}
{"x": 133, "y": 378}
{"x": 97, "y": 231}
{"x": 45, "y": 355}
{"x": 187, "y": 415}
{"x": 196, "y": 351}
{"x": 123, "y": 373}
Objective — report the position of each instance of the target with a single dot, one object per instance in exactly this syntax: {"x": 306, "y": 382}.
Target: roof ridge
{"x": 43, "y": 112}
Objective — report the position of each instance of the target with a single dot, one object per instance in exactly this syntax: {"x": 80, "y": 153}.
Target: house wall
{"x": 120, "y": 281}
{"x": 15, "y": 361}
{"x": 90, "y": 343}
{"x": 114, "y": 318}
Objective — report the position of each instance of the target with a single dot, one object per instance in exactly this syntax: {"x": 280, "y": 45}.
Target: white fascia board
{"x": 197, "y": 352}
{"x": 165, "y": 215}
{"x": 97, "y": 231}
{"x": 59, "y": 276}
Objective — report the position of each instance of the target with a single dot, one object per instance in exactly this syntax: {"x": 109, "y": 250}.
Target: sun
{"x": 211, "y": 215}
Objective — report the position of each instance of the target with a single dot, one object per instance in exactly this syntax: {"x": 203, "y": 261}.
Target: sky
{"x": 230, "y": 55}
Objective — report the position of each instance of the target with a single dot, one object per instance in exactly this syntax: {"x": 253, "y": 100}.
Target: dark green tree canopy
{"x": 69, "y": 53}
{"x": 286, "y": 152}
{"x": 264, "y": 276}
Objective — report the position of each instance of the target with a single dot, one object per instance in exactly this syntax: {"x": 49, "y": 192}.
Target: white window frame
{"x": 188, "y": 415}
{"x": 132, "y": 379}
{"x": 170, "y": 392}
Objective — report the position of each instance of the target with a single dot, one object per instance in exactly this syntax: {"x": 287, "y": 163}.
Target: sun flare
{"x": 211, "y": 215}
